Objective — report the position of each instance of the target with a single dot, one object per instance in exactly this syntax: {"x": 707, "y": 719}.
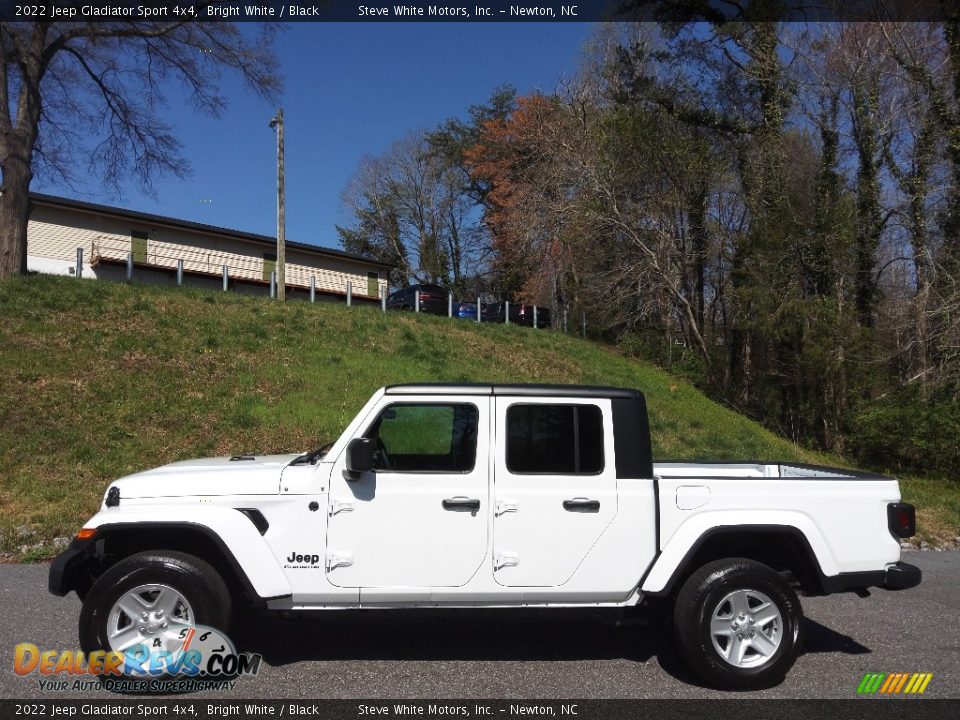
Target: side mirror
{"x": 359, "y": 458}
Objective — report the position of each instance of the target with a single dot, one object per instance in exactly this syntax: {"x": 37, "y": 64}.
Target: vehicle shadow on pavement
{"x": 817, "y": 639}
{"x": 443, "y": 635}
{"x": 480, "y": 635}
{"x": 821, "y": 639}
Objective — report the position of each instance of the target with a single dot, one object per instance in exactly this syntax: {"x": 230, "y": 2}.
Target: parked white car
{"x": 491, "y": 496}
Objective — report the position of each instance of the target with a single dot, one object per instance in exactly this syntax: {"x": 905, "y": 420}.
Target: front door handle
{"x": 461, "y": 504}
{"x": 581, "y": 505}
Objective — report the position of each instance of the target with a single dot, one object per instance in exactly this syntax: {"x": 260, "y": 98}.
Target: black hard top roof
{"x": 529, "y": 389}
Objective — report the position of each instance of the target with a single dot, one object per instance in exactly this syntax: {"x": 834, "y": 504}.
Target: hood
{"x": 253, "y": 475}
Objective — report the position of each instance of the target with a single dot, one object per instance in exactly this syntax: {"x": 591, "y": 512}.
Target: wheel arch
{"x": 122, "y": 541}
{"x": 115, "y": 541}
{"x": 784, "y": 548}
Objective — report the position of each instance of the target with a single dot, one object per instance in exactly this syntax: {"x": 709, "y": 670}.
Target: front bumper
{"x": 68, "y": 570}
{"x": 901, "y": 576}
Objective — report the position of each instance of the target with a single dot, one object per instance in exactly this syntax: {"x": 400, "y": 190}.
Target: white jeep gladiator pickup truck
{"x": 490, "y": 496}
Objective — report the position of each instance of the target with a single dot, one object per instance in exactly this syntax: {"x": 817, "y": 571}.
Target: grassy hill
{"x": 99, "y": 379}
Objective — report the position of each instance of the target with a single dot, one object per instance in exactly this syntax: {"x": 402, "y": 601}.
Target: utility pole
{"x": 277, "y": 124}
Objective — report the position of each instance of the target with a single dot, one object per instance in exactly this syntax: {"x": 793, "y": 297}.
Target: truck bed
{"x": 842, "y": 513}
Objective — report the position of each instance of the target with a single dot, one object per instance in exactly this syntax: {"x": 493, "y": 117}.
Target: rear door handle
{"x": 461, "y": 504}
{"x": 581, "y": 505}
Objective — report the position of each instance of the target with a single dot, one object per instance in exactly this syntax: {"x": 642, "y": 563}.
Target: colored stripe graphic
{"x": 889, "y": 682}
{"x": 870, "y": 683}
{"x": 919, "y": 683}
{"x": 901, "y": 682}
{"x": 894, "y": 683}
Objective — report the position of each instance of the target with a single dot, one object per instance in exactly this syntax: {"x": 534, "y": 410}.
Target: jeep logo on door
{"x": 297, "y": 560}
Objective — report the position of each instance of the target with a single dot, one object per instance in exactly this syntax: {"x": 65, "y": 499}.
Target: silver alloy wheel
{"x": 148, "y": 613}
{"x": 746, "y": 628}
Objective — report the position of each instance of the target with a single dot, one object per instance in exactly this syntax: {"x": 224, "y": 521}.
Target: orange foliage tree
{"x": 514, "y": 158}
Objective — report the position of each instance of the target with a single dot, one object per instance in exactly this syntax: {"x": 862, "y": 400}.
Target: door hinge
{"x": 505, "y": 506}
{"x": 505, "y": 559}
{"x": 337, "y": 506}
{"x": 335, "y": 560}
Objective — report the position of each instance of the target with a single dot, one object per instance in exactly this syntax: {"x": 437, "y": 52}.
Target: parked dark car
{"x": 524, "y": 315}
{"x": 465, "y": 310}
{"x": 519, "y": 314}
{"x": 433, "y": 299}
{"x": 468, "y": 311}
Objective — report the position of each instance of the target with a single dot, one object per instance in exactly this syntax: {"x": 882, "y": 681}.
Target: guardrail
{"x": 214, "y": 263}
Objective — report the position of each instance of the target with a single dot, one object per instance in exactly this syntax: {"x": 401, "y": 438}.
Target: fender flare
{"x": 672, "y": 563}
{"x": 231, "y": 532}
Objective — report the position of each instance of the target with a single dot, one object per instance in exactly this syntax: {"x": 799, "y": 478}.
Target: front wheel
{"x": 738, "y": 624}
{"x": 150, "y": 599}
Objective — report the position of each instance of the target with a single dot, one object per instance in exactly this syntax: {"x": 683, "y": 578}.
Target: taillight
{"x": 901, "y": 519}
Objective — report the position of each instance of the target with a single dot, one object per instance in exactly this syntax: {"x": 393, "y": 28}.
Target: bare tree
{"x": 937, "y": 75}
{"x": 92, "y": 94}
{"x": 409, "y": 208}
{"x": 864, "y": 66}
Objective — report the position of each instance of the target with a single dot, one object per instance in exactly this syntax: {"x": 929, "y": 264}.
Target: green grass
{"x": 98, "y": 380}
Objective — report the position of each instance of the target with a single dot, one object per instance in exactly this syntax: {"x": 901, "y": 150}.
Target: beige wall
{"x": 54, "y": 234}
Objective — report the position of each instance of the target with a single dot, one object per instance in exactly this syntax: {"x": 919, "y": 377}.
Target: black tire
{"x": 193, "y": 578}
{"x": 702, "y": 595}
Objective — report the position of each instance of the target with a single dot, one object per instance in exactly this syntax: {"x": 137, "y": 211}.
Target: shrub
{"x": 907, "y": 431}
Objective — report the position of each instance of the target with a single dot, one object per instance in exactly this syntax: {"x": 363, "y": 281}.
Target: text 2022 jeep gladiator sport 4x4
{"x": 490, "y": 496}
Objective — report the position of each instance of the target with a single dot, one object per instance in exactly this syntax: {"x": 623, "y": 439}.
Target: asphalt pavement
{"x": 529, "y": 653}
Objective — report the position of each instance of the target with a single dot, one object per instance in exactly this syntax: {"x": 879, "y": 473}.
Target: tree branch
{"x": 106, "y": 31}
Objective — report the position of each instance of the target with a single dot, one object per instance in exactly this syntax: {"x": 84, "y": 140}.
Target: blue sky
{"x": 351, "y": 89}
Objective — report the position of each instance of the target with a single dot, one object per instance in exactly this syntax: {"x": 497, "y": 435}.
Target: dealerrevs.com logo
{"x": 894, "y": 683}
{"x": 204, "y": 659}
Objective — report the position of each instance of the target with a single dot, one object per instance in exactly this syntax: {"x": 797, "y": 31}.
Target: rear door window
{"x": 554, "y": 439}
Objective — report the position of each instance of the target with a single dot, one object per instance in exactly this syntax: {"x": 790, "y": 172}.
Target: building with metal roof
{"x": 115, "y": 242}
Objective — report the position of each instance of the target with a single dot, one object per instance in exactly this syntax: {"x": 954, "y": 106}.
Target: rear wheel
{"x": 738, "y": 624}
{"x": 149, "y": 599}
